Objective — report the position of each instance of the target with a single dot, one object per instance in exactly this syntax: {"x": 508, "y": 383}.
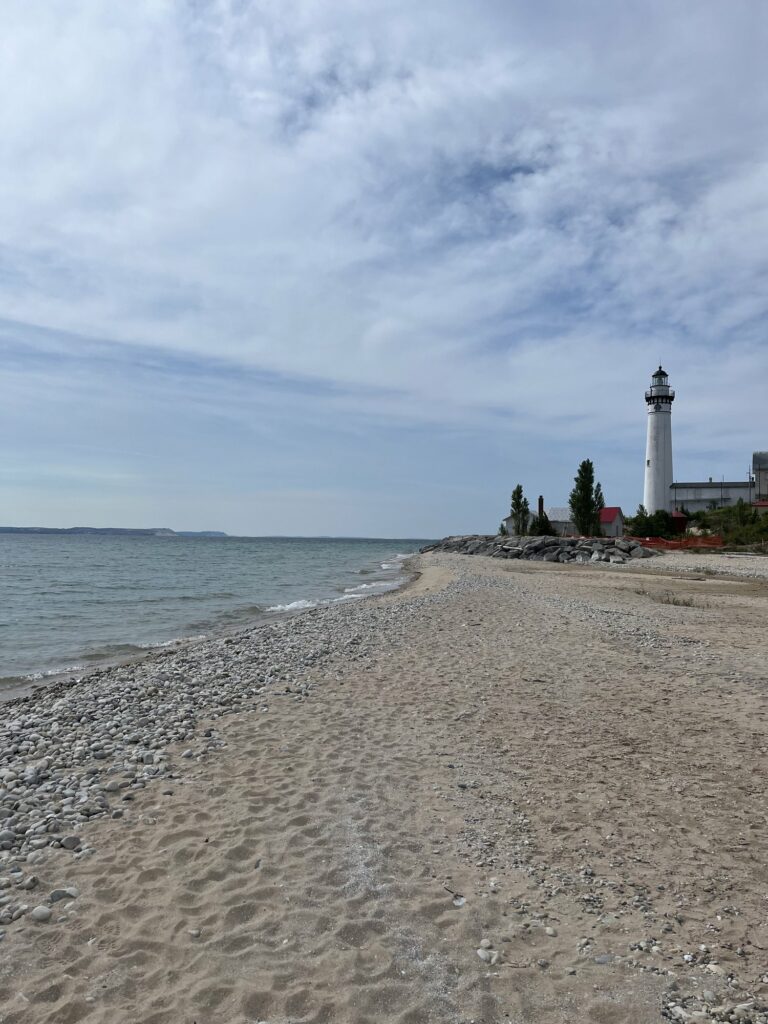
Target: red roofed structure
{"x": 612, "y": 521}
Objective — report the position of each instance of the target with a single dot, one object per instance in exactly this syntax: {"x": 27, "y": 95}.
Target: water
{"x": 70, "y": 602}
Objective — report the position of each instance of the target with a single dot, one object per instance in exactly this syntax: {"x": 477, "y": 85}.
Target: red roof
{"x": 608, "y": 515}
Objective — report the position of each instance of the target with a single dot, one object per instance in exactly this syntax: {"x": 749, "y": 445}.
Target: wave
{"x": 293, "y": 606}
{"x": 303, "y": 605}
{"x": 35, "y": 677}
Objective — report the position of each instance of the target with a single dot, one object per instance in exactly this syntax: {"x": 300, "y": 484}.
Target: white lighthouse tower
{"x": 658, "y": 451}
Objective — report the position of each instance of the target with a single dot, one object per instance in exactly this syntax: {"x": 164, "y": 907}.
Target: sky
{"x": 358, "y": 268}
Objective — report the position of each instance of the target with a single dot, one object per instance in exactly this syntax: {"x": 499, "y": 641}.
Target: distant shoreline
{"x": 112, "y": 531}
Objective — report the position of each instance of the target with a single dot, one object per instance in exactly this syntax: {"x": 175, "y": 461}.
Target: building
{"x": 701, "y": 496}
{"x": 612, "y": 521}
{"x": 658, "y": 449}
{"x": 561, "y": 522}
{"x": 760, "y": 474}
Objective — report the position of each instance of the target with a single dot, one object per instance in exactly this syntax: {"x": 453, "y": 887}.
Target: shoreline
{"x": 13, "y": 688}
{"x": 334, "y": 816}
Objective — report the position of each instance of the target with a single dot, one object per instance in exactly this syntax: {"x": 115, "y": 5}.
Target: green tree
{"x": 541, "y": 526}
{"x": 519, "y": 510}
{"x": 502, "y": 529}
{"x": 637, "y": 525}
{"x": 584, "y": 501}
{"x": 660, "y": 524}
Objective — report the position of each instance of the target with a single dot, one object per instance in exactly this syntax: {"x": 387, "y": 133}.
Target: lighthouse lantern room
{"x": 657, "y": 494}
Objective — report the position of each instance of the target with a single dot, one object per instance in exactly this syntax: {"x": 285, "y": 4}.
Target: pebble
{"x": 41, "y": 913}
{"x": 70, "y": 893}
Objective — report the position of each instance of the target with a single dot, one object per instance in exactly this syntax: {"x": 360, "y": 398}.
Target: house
{"x": 561, "y": 522}
{"x": 611, "y": 521}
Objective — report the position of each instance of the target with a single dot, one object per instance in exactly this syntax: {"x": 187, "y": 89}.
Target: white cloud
{"x": 470, "y": 218}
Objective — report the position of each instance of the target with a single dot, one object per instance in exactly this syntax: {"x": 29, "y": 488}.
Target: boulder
{"x": 640, "y": 552}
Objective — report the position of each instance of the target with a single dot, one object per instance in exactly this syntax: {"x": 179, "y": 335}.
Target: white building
{"x": 658, "y": 451}
{"x": 561, "y": 522}
{"x": 700, "y": 496}
{"x": 611, "y": 521}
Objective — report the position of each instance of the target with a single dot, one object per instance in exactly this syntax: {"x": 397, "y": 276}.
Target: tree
{"x": 520, "y": 511}
{"x": 541, "y": 526}
{"x": 660, "y": 524}
{"x": 503, "y": 529}
{"x": 637, "y": 525}
{"x": 585, "y": 500}
{"x": 599, "y": 499}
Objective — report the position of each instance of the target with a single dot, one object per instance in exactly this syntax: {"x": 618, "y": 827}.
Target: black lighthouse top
{"x": 660, "y": 393}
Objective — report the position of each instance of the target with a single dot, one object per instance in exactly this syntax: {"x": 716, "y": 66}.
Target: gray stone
{"x": 604, "y": 958}
{"x": 70, "y": 842}
{"x": 41, "y": 913}
{"x": 71, "y": 893}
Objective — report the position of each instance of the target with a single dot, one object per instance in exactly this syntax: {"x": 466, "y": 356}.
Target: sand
{"x": 550, "y": 764}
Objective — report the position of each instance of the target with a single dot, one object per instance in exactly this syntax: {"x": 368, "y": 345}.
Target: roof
{"x": 679, "y": 515}
{"x": 610, "y": 513}
{"x": 661, "y": 373}
{"x": 716, "y": 484}
{"x": 559, "y": 515}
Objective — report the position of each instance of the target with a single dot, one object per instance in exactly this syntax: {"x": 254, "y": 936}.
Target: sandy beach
{"x": 512, "y": 792}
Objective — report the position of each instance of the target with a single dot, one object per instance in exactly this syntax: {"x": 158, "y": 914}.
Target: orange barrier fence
{"x": 681, "y": 544}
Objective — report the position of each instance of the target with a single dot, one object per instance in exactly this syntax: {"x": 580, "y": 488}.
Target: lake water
{"x": 69, "y": 602}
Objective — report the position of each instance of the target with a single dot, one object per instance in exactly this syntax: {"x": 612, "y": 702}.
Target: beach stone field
{"x": 518, "y": 790}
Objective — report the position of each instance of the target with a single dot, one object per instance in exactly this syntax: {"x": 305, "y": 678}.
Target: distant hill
{"x": 112, "y": 531}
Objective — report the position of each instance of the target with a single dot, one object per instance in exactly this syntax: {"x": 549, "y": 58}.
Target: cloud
{"x": 356, "y": 220}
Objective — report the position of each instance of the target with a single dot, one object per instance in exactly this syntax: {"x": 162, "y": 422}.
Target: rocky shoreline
{"x": 580, "y": 550}
{"x": 500, "y": 770}
{"x": 80, "y": 749}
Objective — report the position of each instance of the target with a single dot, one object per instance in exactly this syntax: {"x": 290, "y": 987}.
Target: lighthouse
{"x": 658, "y": 451}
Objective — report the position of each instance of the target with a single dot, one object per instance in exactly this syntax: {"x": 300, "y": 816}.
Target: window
{"x": 647, "y": 462}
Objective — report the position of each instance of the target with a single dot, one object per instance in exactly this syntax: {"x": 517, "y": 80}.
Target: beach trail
{"x": 524, "y": 793}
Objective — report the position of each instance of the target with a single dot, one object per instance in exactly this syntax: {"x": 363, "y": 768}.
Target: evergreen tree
{"x": 502, "y": 529}
{"x": 599, "y": 506}
{"x": 541, "y": 526}
{"x": 520, "y": 511}
{"x": 585, "y": 500}
{"x": 637, "y": 525}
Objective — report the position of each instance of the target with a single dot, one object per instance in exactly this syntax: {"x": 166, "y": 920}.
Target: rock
{"x": 70, "y": 842}
{"x": 41, "y": 913}
{"x": 604, "y": 958}
{"x": 70, "y": 893}
{"x": 486, "y": 944}
{"x": 551, "y": 932}
{"x": 484, "y": 954}
{"x": 112, "y": 786}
